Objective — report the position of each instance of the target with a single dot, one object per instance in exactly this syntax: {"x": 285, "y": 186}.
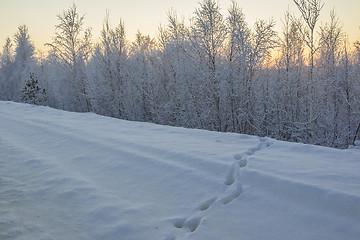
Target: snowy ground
{"x": 82, "y": 176}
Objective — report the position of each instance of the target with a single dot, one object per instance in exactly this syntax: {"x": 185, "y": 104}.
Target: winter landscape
{"x": 214, "y": 129}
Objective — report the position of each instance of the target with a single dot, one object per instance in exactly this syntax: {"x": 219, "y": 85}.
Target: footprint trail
{"x": 234, "y": 189}
{"x": 240, "y": 162}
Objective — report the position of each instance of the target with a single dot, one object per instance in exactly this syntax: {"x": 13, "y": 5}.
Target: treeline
{"x": 215, "y": 72}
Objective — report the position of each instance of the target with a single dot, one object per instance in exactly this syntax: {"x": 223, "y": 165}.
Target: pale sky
{"x": 146, "y": 15}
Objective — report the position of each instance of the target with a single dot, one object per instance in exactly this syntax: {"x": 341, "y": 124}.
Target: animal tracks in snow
{"x": 205, "y": 205}
{"x": 231, "y": 175}
{"x": 234, "y": 194}
{"x": 190, "y": 224}
{"x": 240, "y": 161}
{"x": 233, "y": 191}
{"x": 264, "y": 143}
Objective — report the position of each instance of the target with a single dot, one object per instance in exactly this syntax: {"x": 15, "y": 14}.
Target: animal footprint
{"x": 227, "y": 200}
{"x": 235, "y": 194}
{"x": 190, "y": 224}
{"x": 231, "y": 176}
{"x": 265, "y": 142}
{"x": 239, "y": 156}
{"x": 193, "y": 223}
{"x": 179, "y": 223}
{"x": 242, "y": 163}
{"x": 268, "y": 144}
{"x": 205, "y": 205}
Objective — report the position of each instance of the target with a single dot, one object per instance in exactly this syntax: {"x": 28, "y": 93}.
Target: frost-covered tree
{"x": 6, "y": 71}
{"x": 70, "y": 51}
{"x": 310, "y": 11}
{"x": 354, "y": 95}
{"x": 209, "y": 31}
{"x": 291, "y": 97}
{"x": 208, "y": 34}
{"x": 263, "y": 40}
{"x": 24, "y": 61}
{"x": 349, "y": 96}
{"x": 108, "y": 71}
{"x": 357, "y": 50}
{"x": 142, "y": 83}
{"x": 178, "y": 69}
{"x": 331, "y": 40}
{"x": 238, "y": 55}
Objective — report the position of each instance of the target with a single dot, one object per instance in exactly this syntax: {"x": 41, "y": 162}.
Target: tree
{"x": 208, "y": 35}
{"x": 108, "y": 68}
{"x": 176, "y": 70}
{"x": 238, "y": 55}
{"x": 290, "y": 94}
{"x": 70, "y": 49}
{"x": 263, "y": 40}
{"x": 24, "y": 61}
{"x": 331, "y": 39}
{"x": 356, "y": 142}
{"x": 357, "y": 48}
{"x": 356, "y": 89}
{"x": 142, "y": 83}
{"x": 350, "y": 93}
{"x": 310, "y": 11}
{"x": 6, "y": 71}
{"x": 32, "y": 93}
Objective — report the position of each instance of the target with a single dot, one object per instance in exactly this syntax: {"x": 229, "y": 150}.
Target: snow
{"x": 67, "y": 175}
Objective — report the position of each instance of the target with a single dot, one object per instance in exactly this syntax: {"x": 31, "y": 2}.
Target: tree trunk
{"x": 356, "y": 134}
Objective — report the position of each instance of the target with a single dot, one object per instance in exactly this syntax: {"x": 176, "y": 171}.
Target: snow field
{"x": 81, "y": 176}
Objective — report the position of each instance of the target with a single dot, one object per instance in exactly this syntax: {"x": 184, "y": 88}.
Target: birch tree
{"x": 70, "y": 50}
{"x": 108, "y": 70}
{"x": 208, "y": 35}
{"x": 310, "y": 12}
{"x": 239, "y": 49}
{"x": 291, "y": 118}
{"x": 331, "y": 39}
{"x": 178, "y": 70}
{"x": 263, "y": 40}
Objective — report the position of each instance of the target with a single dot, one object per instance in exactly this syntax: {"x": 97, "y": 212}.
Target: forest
{"x": 210, "y": 72}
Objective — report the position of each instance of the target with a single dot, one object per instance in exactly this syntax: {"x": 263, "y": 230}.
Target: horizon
{"x": 146, "y": 17}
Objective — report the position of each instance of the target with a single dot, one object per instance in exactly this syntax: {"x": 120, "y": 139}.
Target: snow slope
{"x": 78, "y": 176}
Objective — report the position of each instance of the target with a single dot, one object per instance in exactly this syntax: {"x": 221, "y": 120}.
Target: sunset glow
{"x": 146, "y": 16}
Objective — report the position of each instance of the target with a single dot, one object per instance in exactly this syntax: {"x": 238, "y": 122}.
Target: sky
{"x": 147, "y": 15}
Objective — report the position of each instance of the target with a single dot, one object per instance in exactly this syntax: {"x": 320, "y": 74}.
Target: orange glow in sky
{"x": 146, "y": 16}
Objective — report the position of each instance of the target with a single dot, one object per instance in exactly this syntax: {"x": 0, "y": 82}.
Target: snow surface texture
{"x": 82, "y": 176}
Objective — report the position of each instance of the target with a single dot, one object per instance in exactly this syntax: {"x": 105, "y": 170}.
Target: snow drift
{"x": 78, "y": 176}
